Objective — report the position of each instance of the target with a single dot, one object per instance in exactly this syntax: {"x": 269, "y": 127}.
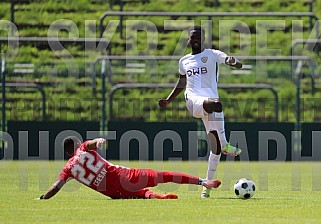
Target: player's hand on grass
{"x": 163, "y": 103}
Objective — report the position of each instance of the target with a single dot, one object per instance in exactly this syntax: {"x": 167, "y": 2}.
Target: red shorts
{"x": 133, "y": 183}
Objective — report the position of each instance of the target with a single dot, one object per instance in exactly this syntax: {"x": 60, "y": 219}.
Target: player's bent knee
{"x": 213, "y": 105}
{"x": 216, "y": 106}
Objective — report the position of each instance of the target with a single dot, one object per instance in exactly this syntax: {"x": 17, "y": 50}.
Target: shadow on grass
{"x": 234, "y": 198}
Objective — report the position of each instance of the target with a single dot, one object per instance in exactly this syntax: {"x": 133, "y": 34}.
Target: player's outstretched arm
{"x": 232, "y": 61}
{"x": 95, "y": 143}
{"x": 53, "y": 190}
{"x": 179, "y": 87}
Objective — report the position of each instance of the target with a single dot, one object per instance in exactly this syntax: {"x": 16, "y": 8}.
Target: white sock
{"x": 213, "y": 161}
{"x": 219, "y": 124}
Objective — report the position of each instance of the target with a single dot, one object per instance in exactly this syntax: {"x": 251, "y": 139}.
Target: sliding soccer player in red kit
{"x": 116, "y": 182}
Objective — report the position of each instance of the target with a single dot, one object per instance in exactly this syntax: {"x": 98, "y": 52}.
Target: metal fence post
{"x": 103, "y": 95}
{"x": 3, "y": 120}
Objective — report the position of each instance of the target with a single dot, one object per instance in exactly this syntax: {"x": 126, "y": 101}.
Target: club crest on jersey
{"x": 204, "y": 59}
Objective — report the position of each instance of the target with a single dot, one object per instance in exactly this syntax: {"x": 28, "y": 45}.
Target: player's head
{"x": 196, "y": 38}
{"x": 71, "y": 143}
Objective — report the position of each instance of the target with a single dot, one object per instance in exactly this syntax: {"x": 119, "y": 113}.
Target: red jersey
{"x": 89, "y": 168}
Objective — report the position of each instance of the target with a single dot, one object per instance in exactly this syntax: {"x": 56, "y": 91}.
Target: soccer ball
{"x": 244, "y": 188}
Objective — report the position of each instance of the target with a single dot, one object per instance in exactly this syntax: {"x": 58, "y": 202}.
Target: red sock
{"x": 175, "y": 177}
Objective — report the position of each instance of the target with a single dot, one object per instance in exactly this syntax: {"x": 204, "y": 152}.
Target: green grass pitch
{"x": 286, "y": 193}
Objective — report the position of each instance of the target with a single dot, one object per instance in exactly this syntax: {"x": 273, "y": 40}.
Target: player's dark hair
{"x": 69, "y": 144}
{"x": 197, "y": 28}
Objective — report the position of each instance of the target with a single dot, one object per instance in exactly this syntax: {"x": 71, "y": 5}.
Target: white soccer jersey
{"x": 202, "y": 72}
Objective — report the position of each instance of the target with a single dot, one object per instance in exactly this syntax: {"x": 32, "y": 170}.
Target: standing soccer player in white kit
{"x": 199, "y": 73}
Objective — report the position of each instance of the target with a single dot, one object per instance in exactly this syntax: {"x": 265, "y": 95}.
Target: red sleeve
{"x": 64, "y": 174}
{"x": 84, "y": 146}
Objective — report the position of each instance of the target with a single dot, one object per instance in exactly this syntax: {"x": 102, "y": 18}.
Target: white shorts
{"x": 194, "y": 105}
{"x": 213, "y": 121}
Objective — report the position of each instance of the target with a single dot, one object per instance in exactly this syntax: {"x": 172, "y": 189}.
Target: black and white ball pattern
{"x": 244, "y": 188}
